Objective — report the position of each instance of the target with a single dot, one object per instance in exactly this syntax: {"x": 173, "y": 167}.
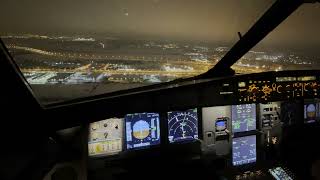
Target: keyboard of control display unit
{"x": 280, "y": 174}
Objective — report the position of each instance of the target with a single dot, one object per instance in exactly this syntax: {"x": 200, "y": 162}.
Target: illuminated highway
{"x": 118, "y": 72}
{"x": 79, "y": 60}
{"x": 92, "y": 56}
{"x": 199, "y": 67}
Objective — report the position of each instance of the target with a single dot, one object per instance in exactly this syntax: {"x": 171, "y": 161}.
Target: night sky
{"x": 203, "y": 20}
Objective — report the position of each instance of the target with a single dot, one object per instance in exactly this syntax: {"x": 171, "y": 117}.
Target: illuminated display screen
{"x": 243, "y": 117}
{"x": 183, "y": 125}
{"x": 105, "y": 137}
{"x": 244, "y": 150}
{"x": 221, "y": 124}
{"x": 311, "y": 111}
{"x": 142, "y": 130}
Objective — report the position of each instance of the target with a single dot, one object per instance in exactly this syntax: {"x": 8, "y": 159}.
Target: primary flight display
{"x": 142, "y": 130}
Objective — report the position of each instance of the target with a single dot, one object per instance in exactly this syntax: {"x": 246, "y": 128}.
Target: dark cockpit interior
{"x": 216, "y": 125}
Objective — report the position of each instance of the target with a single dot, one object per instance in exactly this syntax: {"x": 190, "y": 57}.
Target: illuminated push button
{"x": 242, "y": 84}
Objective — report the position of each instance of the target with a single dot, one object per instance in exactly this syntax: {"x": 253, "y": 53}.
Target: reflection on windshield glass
{"x": 68, "y": 50}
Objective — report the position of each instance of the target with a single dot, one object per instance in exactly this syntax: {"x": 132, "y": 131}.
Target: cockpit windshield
{"x": 73, "y": 49}
{"x": 293, "y": 45}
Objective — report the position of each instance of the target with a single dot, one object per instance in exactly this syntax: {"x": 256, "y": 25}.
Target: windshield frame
{"x": 271, "y": 19}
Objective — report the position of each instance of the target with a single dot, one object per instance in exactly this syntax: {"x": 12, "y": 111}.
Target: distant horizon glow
{"x": 187, "y": 20}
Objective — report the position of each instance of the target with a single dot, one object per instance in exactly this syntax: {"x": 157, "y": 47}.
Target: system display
{"x": 311, "y": 111}
{"x": 183, "y": 125}
{"x": 243, "y": 117}
{"x": 221, "y": 124}
{"x": 244, "y": 150}
{"x": 105, "y": 137}
{"x": 142, "y": 130}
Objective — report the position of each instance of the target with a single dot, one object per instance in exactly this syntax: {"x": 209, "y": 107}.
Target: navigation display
{"x": 183, "y": 125}
{"x": 311, "y": 111}
{"x": 243, "y": 117}
{"x": 105, "y": 137}
{"x": 244, "y": 150}
{"x": 142, "y": 130}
